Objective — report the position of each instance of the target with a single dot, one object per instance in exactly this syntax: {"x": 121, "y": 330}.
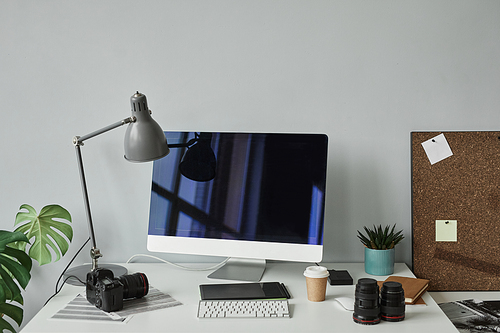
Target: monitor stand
{"x": 240, "y": 269}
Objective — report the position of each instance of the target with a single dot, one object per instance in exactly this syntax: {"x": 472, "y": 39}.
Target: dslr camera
{"x": 107, "y": 292}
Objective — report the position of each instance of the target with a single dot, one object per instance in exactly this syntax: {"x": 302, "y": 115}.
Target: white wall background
{"x": 366, "y": 73}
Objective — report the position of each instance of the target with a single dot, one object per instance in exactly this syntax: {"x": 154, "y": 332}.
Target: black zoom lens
{"x": 366, "y": 302}
{"x": 134, "y": 285}
{"x": 392, "y": 301}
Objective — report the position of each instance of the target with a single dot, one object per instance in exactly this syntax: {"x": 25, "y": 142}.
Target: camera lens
{"x": 366, "y": 302}
{"x": 134, "y": 285}
{"x": 392, "y": 301}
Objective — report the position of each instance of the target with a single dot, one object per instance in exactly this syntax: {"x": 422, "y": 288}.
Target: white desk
{"x": 452, "y": 296}
{"x": 327, "y": 316}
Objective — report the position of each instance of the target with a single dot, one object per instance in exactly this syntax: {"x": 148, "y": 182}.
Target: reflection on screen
{"x": 268, "y": 187}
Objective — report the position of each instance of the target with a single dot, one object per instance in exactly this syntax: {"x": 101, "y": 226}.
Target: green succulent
{"x": 380, "y": 238}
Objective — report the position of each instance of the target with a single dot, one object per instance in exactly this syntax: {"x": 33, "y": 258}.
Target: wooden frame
{"x": 465, "y": 188}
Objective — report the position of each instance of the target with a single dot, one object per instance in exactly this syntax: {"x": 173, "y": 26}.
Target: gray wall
{"x": 366, "y": 73}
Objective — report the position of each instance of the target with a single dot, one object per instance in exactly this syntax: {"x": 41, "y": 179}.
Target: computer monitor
{"x": 266, "y": 200}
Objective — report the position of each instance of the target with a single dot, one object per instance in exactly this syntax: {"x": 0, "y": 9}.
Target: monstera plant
{"x": 35, "y": 234}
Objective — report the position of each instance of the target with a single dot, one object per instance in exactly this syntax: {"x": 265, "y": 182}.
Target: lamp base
{"x": 81, "y": 271}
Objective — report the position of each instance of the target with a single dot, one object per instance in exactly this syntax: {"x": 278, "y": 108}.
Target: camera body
{"x": 104, "y": 291}
{"x": 107, "y": 292}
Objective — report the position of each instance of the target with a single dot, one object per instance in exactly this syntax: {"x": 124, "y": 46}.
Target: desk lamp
{"x": 144, "y": 142}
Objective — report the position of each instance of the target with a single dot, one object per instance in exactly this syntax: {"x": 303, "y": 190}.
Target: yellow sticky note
{"x": 446, "y": 230}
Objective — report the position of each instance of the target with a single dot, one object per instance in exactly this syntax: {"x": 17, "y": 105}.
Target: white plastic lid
{"x": 316, "y": 272}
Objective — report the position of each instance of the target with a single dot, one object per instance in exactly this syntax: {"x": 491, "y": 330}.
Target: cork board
{"x": 460, "y": 194}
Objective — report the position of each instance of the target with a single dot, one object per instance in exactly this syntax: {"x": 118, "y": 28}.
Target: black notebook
{"x": 263, "y": 290}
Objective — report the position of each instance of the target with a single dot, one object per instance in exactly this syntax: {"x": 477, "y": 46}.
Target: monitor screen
{"x": 244, "y": 195}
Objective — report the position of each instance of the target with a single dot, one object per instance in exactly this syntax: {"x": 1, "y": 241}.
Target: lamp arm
{"x": 77, "y": 140}
{"x": 95, "y": 253}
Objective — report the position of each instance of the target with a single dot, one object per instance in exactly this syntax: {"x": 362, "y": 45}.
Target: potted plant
{"x": 379, "y": 248}
{"x": 44, "y": 230}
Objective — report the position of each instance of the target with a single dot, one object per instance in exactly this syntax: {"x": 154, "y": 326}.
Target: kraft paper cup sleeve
{"x": 316, "y": 281}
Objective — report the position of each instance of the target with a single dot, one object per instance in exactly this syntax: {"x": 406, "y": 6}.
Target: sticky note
{"x": 437, "y": 148}
{"x": 446, "y": 230}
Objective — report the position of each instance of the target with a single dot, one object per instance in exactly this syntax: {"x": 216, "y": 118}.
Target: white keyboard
{"x": 244, "y": 309}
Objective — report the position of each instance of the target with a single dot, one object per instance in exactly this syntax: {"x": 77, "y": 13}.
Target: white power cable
{"x": 177, "y": 265}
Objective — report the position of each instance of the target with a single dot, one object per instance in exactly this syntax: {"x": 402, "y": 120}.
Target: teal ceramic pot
{"x": 379, "y": 262}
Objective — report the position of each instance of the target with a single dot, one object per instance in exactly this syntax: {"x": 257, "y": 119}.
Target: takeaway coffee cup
{"x": 316, "y": 280}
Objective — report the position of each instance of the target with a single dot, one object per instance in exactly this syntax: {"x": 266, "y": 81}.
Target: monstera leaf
{"x": 14, "y": 265}
{"x": 46, "y": 231}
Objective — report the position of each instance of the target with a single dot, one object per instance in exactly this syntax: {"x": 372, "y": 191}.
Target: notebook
{"x": 413, "y": 287}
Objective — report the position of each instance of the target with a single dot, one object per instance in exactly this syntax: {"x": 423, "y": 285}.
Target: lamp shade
{"x": 144, "y": 138}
